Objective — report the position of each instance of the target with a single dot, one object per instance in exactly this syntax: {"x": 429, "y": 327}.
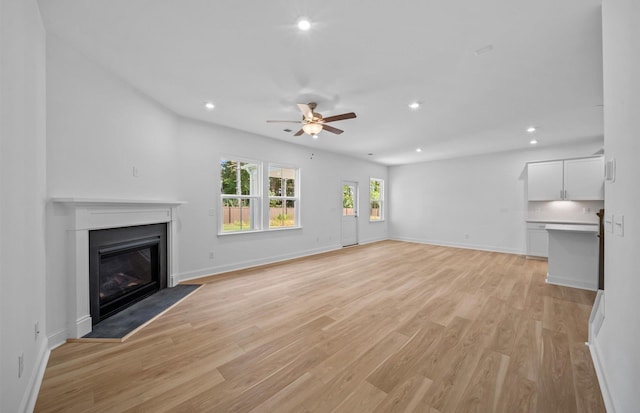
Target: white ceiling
{"x": 371, "y": 57}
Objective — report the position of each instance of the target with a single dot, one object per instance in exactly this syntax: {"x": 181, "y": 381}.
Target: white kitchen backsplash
{"x": 580, "y": 211}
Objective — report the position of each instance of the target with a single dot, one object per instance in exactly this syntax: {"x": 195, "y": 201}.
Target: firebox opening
{"x": 126, "y": 265}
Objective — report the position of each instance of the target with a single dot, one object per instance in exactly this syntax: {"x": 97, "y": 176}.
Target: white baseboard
{"x": 489, "y": 248}
{"x": 252, "y": 263}
{"x": 597, "y": 316}
{"x": 58, "y": 338}
{"x": 30, "y": 397}
{"x": 82, "y": 327}
{"x": 191, "y": 275}
{"x": 570, "y": 282}
{"x": 604, "y": 388}
{"x": 371, "y": 241}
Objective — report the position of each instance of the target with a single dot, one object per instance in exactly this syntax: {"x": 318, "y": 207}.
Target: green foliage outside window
{"x": 347, "y": 197}
{"x": 239, "y": 186}
{"x": 375, "y": 199}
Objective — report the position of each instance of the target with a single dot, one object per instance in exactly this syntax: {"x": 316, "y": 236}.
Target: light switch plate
{"x": 610, "y": 170}
{"x": 618, "y": 225}
{"x": 608, "y": 223}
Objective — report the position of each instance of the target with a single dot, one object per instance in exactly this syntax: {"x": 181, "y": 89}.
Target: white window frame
{"x": 257, "y": 196}
{"x": 284, "y": 198}
{"x": 381, "y": 201}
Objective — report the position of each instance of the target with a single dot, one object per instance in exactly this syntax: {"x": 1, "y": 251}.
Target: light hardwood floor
{"x": 385, "y": 327}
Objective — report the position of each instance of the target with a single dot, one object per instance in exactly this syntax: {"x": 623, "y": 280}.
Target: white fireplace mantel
{"x": 86, "y": 214}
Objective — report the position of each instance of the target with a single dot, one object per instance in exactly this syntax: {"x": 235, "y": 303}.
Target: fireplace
{"x": 125, "y": 265}
{"x": 81, "y": 216}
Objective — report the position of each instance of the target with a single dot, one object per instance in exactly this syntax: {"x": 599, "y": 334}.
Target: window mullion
{"x": 238, "y": 179}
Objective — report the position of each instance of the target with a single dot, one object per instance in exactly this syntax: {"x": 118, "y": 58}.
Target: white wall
{"x": 22, "y": 201}
{"x": 483, "y": 196}
{"x": 99, "y": 128}
{"x": 616, "y": 347}
{"x": 200, "y": 150}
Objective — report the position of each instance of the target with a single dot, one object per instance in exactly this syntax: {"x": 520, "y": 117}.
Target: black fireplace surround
{"x": 125, "y": 265}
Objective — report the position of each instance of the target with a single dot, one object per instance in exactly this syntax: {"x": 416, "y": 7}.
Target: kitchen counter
{"x": 573, "y": 255}
{"x": 559, "y": 221}
{"x": 572, "y": 227}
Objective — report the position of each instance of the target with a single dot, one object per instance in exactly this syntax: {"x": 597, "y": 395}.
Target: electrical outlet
{"x": 211, "y": 255}
{"x": 135, "y": 172}
{"x": 36, "y": 328}
{"x": 20, "y": 364}
{"x": 466, "y": 236}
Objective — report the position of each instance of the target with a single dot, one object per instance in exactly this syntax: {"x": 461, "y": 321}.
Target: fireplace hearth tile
{"x": 122, "y": 325}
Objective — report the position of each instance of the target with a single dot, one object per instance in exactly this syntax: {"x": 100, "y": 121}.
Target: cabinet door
{"x": 537, "y": 242}
{"x": 544, "y": 181}
{"x": 584, "y": 179}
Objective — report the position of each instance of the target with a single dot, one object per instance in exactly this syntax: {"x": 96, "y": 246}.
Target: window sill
{"x": 281, "y": 229}
{"x": 258, "y": 231}
{"x": 377, "y": 220}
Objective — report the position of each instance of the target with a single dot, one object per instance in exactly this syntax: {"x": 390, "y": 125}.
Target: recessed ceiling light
{"x": 414, "y": 105}
{"x": 419, "y": 150}
{"x": 531, "y": 129}
{"x": 209, "y": 106}
{"x": 304, "y": 24}
{"x": 533, "y": 141}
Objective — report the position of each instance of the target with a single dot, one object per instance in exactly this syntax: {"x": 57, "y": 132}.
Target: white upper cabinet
{"x": 584, "y": 179}
{"x": 545, "y": 181}
{"x": 572, "y": 179}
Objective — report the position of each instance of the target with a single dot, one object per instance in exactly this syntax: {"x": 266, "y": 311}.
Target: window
{"x": 241, "y": 195}
{"x": 283, "y": 197}
{"x": 250, "y": 202}
{"x": 376, "y": 199}
{"x": 348, "y": 200}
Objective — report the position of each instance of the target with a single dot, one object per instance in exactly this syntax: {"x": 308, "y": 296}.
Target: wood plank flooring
{"x": 385, "y": 327}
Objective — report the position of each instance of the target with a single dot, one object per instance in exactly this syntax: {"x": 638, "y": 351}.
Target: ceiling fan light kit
{"x": 313, "y": 123}
{"x": 312, "y": 128}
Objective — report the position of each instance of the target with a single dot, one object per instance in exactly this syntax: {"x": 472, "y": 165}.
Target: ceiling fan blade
{"x": 332, "y": 129}
{"x": 300, "y": 132}
{"x": 349, "y": 115}
{"x": 283, "y": 121}
{"x": 306, "y": 110}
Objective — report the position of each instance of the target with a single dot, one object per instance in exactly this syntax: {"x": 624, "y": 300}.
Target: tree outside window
{"x": 283, "y": 197}
{"x": 376, "y": 199}
{"x": 240, "y": 195}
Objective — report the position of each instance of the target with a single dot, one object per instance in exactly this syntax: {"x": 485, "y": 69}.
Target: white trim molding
{"x": 597, "y": 316}
{"x": 206, "y": 272}
{"x": 28, "y": 403}
{"x": 490, "y": 248}
{"x": 571, "y": 282}
{"x": 599, "y": 368}
{"x": 595, "y": 323}
{"x": 86, "y": 214}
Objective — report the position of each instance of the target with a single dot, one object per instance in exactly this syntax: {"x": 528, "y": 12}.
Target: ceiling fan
{"x": 313, "y": 123}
